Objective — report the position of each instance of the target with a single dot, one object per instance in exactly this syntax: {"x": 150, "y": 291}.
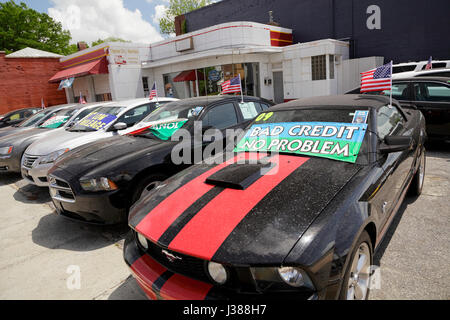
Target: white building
{"x": 195, "y": 64}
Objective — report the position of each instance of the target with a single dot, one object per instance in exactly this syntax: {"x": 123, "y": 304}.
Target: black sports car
{"x": 97, "y": 183}
{"x": 431, "y": 95}
{"x": 296, "y": 212}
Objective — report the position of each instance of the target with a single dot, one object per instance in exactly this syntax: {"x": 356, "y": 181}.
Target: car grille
{"x": 28, "y": 161}
{"x": 187, "y": 265}
{"x": 60, "y": 190}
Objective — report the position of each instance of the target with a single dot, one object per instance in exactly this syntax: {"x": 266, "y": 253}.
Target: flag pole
{"x": 392, "y": 69}
{"x": 156, "y": 89}
{"x": 240, "y": 83}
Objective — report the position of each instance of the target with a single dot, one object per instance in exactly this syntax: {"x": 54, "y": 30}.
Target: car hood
{"x": 238, "y": 215}
{"x": 21, "y": 136}
{"x": 89, "y": 159}
{"x": 64, "y": 140}
{"x": 11, "y": 130}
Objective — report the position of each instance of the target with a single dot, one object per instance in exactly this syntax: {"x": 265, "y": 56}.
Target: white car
{"x": 115, "y": 118}
{"x": 416, "y": 69}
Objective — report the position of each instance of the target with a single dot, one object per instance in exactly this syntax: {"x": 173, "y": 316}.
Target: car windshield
{"x": 79, "y": 116}
{"x": 33, "y": 120}
{"x": 335, "y": 133}
{"x": 97, "y": 119}
{"x": 57, "y": 119}
{"x": 169, "y": 119}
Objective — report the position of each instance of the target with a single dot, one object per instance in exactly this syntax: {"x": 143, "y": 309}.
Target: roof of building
{"x": 33, "y": 53}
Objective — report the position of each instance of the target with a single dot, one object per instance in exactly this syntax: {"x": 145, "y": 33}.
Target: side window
{"x": 135, "y": 115}
{"x": 433, "y": 92}
{"x": 264, "y": 106}
{"x": 221, "y": 117}
{"x": 250, "y": 110}
{"x": 400, "y": 91}
{"x": 389, "y": 121}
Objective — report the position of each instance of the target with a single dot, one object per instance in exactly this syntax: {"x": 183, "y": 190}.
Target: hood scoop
{"x": 239, "y": 176}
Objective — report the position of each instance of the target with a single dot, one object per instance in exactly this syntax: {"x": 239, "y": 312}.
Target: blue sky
{"x": 134, "y": 20}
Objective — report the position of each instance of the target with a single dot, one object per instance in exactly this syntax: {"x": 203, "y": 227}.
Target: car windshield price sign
{"x": 97, "y": 121}
{"x": 55, "y": 122}
{"x": 337, "y": 141}
{"x": 164, "y": 131}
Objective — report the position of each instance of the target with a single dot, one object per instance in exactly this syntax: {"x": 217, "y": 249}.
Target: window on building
{"x": 331, "y": 60}
{"x": 319, "y": 68}
{"x": 210, "y": 80}
{"x": 145, "y": 85}
{"x": 103, "y": 97}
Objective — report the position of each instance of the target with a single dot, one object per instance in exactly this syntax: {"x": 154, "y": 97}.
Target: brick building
{"x": 24, "y": 80}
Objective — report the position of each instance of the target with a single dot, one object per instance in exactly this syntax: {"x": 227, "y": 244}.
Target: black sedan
{"x": 431, "y": 95}
{"x": 297, "y": 212}
{"x": 99, "y": 182}
{"x": 17, "y": 116}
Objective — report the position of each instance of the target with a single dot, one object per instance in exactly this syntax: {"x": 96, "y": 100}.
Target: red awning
{"x": 94, "y": 67}
{"x": 189, "y": 76}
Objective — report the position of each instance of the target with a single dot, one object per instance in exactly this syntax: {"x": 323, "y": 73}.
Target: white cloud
{"x": 89, "y": 20}
{"x": 160, "y": 11}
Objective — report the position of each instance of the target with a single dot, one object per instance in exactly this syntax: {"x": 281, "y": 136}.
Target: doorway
{"x": 278, "y": 87}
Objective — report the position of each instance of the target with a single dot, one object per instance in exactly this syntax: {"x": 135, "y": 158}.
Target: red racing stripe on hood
{"x": 179, "y": 287}
{"x": 164, "y": 215}
{"x": 146, "y": 271}
{"x": 209, "y": 228}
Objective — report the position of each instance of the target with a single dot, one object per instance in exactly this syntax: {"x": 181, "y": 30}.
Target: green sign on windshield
{"x": 164, "y": 131}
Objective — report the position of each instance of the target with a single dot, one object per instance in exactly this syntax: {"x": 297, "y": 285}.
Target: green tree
{"x": 110, "y": 39}
{"x": 22, "y": 27}
{"x": 176, "y": 8}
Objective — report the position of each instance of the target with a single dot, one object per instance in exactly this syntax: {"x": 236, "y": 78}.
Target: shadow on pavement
{"x": 56, "y": 232}
{"x": 391, "y": 230}
{"x": 28, "y": 193}
{"x": 9, "y": 178}
{"x": 128, "y": 290}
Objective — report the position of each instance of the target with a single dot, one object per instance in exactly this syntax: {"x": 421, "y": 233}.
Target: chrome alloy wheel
{"x": 359, "y": 280}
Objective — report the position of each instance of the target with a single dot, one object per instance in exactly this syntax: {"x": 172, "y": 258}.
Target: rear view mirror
{"x": 120, "y": 126}
{"x": 396, "y": 144}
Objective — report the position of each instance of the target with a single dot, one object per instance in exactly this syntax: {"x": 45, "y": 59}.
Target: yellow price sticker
{"x": 264, "y": 117}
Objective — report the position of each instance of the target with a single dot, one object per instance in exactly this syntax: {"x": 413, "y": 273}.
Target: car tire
{"x": 419, "y": 178}
{"x": 356, "y": 282}
{"x": 145, "y": 185}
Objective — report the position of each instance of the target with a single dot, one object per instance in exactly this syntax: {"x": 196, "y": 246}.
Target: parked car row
{"x": 295, "y": 209}
{"x": 431, "y": 96}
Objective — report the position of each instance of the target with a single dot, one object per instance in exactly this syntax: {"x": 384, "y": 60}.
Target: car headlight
{"x": 218, "y": 273}
{"x": 52, "y": 156}
{"x": 4, "y": 151}
{"x": 98, "y": 184}
{"x": 142, "y": 240}
{"x": 294, "y": 277}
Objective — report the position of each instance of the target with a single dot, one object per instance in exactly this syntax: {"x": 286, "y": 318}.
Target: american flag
{"x": 429, "y": 64}
{"x": 378, "y": 79}
{"x": 154, "y": 92}
{"x": 231, "y": 86}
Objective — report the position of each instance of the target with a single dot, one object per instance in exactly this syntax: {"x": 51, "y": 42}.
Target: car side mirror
{"x": 120, "y": 126}
{"x": 396, "y": 143}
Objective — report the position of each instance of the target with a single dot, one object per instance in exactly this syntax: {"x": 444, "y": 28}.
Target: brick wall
{"x": 24, "y": 81}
